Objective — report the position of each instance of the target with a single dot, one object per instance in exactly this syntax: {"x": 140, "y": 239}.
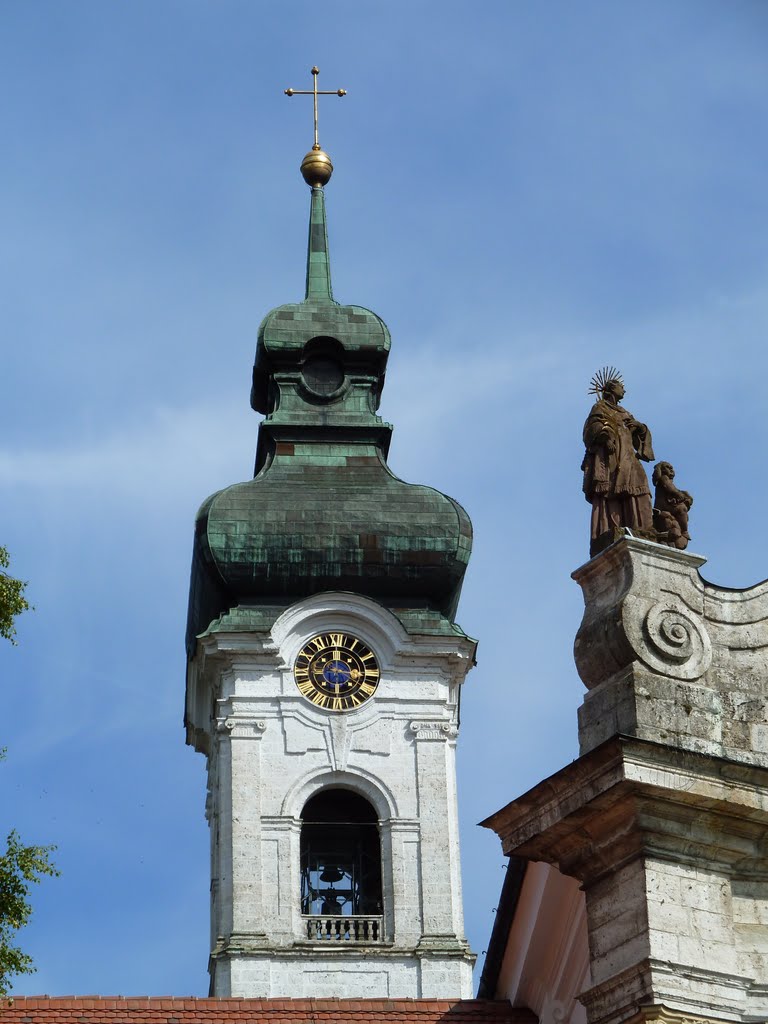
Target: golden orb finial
{"x": 316, "y": 167}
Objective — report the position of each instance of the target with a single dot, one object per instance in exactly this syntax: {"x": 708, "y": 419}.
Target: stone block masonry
{"x": 270, "y": 750}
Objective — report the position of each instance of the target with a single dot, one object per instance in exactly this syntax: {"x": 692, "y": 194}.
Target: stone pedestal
{"x": 669, "y": 657}
{"x": 664, "y": 817}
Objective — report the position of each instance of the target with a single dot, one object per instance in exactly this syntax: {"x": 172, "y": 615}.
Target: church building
{"x": 324, "y": 678}
{"x": 325, "y": 671}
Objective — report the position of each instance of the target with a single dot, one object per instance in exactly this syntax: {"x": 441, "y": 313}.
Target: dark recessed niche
{"x": 323, "y": 375}
{"x": 323, "y": 368}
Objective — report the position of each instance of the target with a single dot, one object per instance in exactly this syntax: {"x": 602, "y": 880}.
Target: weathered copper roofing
{"x": 286, "y": 330}
{"x": 161, "y": 1010}
{"x": 337, "y": 521}
{"x": 324, "y": 511}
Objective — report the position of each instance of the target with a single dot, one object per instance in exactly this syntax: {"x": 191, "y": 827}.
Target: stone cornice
{"x": 629, "y": 797}
{"x": 660, "y": 1014}
{"x": 629, "y": 989}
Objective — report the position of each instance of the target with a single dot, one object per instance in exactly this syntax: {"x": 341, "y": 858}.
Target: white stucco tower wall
{"x": 270, "y": 750}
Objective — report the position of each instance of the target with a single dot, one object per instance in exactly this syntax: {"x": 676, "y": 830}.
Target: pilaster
{"x": 239, "y": 910}
{"x": 401, "y": 855}
{"x": 433, "y": 765}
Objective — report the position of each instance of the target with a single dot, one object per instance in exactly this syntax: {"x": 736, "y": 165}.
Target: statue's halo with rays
{"x": 604, "y": 377}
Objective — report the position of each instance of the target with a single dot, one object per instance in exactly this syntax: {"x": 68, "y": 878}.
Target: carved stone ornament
{"x": 642, "y": 602}
{"x": 242, "y": 728}
{"x": 433, "y": 730}
{"x": 669, "y": 638}
{"x": 661, "y": 1015}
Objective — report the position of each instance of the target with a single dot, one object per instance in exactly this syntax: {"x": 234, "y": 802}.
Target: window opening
{"x": 340, "y": 856}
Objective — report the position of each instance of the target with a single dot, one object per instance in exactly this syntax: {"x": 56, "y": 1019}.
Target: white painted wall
{"x": 546, "y": 962}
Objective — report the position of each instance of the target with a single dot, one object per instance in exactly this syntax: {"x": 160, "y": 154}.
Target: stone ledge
{"x": 628, "y": 797}
{"x": 629, "y": 989}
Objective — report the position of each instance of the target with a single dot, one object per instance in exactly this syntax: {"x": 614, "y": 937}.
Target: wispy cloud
{"x": 173, "y": 450}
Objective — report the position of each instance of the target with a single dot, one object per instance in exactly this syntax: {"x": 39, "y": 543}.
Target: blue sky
{"x": 523, "y": 191}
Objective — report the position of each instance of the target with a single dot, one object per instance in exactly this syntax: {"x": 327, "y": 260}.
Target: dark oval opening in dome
{"x": 322, "y": 368}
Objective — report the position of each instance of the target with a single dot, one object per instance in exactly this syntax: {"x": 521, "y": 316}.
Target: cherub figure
{"x": 670, "y": 507}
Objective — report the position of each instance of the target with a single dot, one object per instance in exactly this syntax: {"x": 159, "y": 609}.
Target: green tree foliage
{"x": 20, "y": 866}
{"x": 12, "y": 600}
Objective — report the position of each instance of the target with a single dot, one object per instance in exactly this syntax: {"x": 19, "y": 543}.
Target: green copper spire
{"x": 324, "y": 512}
{"x": 318, "y": 260}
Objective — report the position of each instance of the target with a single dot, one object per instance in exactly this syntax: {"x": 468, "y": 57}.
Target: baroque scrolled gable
{"x": 669, "y": 657}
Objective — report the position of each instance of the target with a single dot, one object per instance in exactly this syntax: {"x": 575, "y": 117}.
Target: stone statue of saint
{"x": 615, "y": 483}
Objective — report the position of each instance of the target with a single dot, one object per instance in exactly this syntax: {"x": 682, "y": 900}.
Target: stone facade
{"x": 270, "y": 750}
{"x": 664, "y": 817}
{"x": 668, "y": 657}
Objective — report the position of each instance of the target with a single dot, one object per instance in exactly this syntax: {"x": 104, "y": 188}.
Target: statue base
{"x": 598, "y": 544}
{"x": 660, "y": 534}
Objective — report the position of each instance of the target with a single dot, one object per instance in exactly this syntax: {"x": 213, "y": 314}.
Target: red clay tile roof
{"x": 158, "y": 1010}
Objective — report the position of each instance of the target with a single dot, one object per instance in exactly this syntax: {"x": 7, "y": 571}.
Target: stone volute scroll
{"x": 615, "y": 483}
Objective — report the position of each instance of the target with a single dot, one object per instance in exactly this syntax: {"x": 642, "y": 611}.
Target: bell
{"x": 331, "y": 906}
{"x": 331, "y": 874}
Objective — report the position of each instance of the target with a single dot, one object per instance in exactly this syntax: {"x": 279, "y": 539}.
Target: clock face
{"x": 336, "y": 671}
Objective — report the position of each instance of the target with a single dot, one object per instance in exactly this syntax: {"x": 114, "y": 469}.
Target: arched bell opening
{"x": 340, "y": 857}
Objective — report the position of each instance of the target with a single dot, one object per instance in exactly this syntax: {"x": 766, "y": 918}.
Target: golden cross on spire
{"x": 315, "y": 92}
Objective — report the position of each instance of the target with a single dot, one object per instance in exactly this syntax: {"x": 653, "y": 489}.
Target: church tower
{"x": 324, "y": 675}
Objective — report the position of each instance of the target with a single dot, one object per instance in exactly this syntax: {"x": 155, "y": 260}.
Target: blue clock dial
{"x": 336, "y": 672}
